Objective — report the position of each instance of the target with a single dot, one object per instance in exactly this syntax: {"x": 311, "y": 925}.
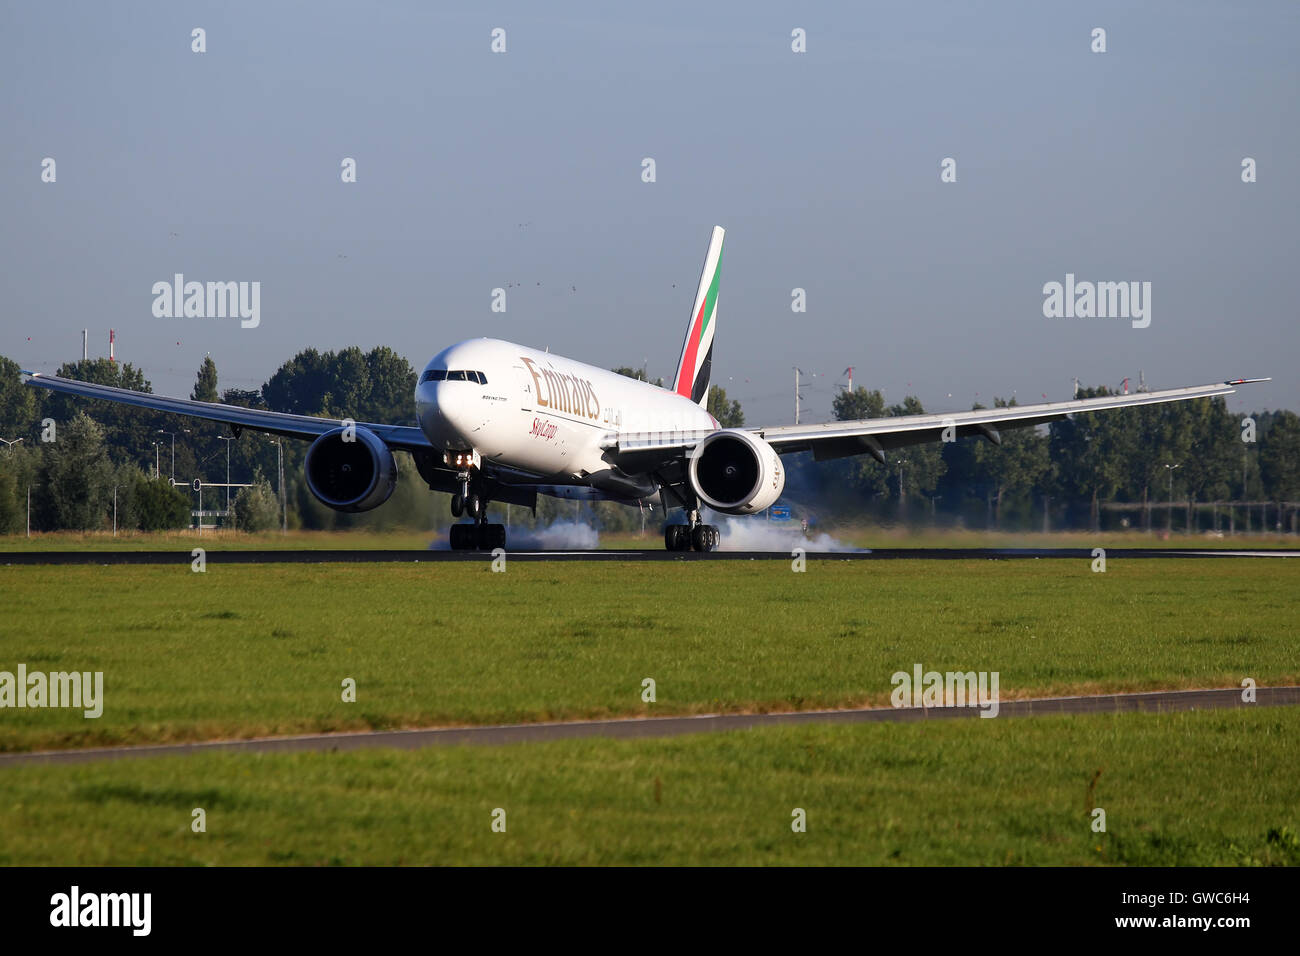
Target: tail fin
{"x": 696, "y": 362}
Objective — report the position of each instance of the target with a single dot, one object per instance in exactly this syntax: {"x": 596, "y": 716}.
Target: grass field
{"x": 861, "y": 537}
{"x": 251, "y": 650}
{"x": 1203, "y": 788}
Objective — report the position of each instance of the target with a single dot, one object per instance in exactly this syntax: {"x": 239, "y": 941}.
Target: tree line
{"x": 1106, "y": 469}
{"x": 103, "y": 451}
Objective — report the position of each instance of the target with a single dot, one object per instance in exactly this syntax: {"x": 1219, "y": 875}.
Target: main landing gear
{"x": 471, "y": 502}
{"x": 694, "y": 536}
{"x": 479, "y": 536}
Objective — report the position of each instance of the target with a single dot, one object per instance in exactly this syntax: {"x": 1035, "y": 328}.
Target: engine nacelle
{"x": 736, "y": 472}
{"x": 355, "y": 475}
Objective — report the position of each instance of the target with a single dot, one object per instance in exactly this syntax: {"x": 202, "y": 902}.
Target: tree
{"x": 1212, "y": 442}
{"x": 127, "y": 431}
{"x": 102, "y": 371}
{"x": 728, "y": 414}
{"x": 1279, "y": 457}
{"x": 639, "y": 375}
{"x": 205, "y": 389}
{"x": 158, "y": 506}
{"x": 1016, "y": 467}
{"x": 19, "y": 469}
{"x": 1158, "y": 442}
{"x": 858, "y": 404}
{"x": 1093, "y": 454}
{"x": 256, "y": 508}
{"x": 366, "y": 386}
{"x": 11, "y": 511}
{"x": 374, "y": 386}
{"x": 243, "y": 397}
{"x": 922, "y": 465}
{"x": 392, "y": 387}
{"x": 20, "y": 405}
{"x": 912, "y": 469}
{"x": 298, "y": 384}
{"x": 77, "y": 477}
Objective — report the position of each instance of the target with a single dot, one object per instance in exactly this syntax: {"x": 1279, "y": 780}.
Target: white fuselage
{"x": 537, "y": 412}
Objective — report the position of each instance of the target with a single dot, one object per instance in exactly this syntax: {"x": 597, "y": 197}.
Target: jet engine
{"x": 735, "y": 472}
{"x": 351, "y": 469}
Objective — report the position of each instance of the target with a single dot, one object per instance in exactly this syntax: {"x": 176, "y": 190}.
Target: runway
{"x": 331, "y": 556}
{"x": 628, "y": 728}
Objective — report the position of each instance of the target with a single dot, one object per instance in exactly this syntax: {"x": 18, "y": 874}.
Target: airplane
{"x": 503, "y": 422}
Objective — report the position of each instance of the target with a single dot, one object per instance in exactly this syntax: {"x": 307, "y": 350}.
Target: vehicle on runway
{"x": 502, "y": 422}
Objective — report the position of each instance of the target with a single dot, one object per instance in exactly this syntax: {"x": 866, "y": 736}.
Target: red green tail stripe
{"x": 686, "y": 374}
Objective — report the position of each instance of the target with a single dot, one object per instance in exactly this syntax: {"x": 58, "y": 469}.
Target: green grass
{"x": 246, "y": 650}
{"x": 1202, "y": 788}
{"x": 863, "y": 537}
{"x": 218, "y": 541}
{"x": 902, "y": 537}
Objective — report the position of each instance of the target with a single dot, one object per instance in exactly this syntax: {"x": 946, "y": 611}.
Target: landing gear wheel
{"x": 457, "y": 506}
{"x": 477, "y": 537}
{"x": 677, "y": 537}
{"x": 474, "y": 506}
{"x": 704, "y": 537}
{"x": 492, "y": 536}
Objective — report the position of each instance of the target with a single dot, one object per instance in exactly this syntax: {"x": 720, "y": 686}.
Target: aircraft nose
{"x": 443, "y": 410}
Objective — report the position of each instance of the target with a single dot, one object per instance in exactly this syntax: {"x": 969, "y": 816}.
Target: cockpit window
{"x": 455, "y": 375}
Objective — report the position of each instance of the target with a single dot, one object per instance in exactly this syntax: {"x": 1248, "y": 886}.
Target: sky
{"x": 523, "y": 170}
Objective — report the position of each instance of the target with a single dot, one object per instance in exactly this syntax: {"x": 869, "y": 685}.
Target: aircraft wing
{"x": 276, "y": 423}
{"x": 874, "y": 436}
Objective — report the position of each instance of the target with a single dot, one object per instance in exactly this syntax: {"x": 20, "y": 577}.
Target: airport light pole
{"x": 1171, "y": 468}
{"x": 156, "y": 449}
{"x": 279, "y": 480}
{"x": 902, "y": 511}
{"x": 227, "y": 439}
{"x": 163, "y": 431}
